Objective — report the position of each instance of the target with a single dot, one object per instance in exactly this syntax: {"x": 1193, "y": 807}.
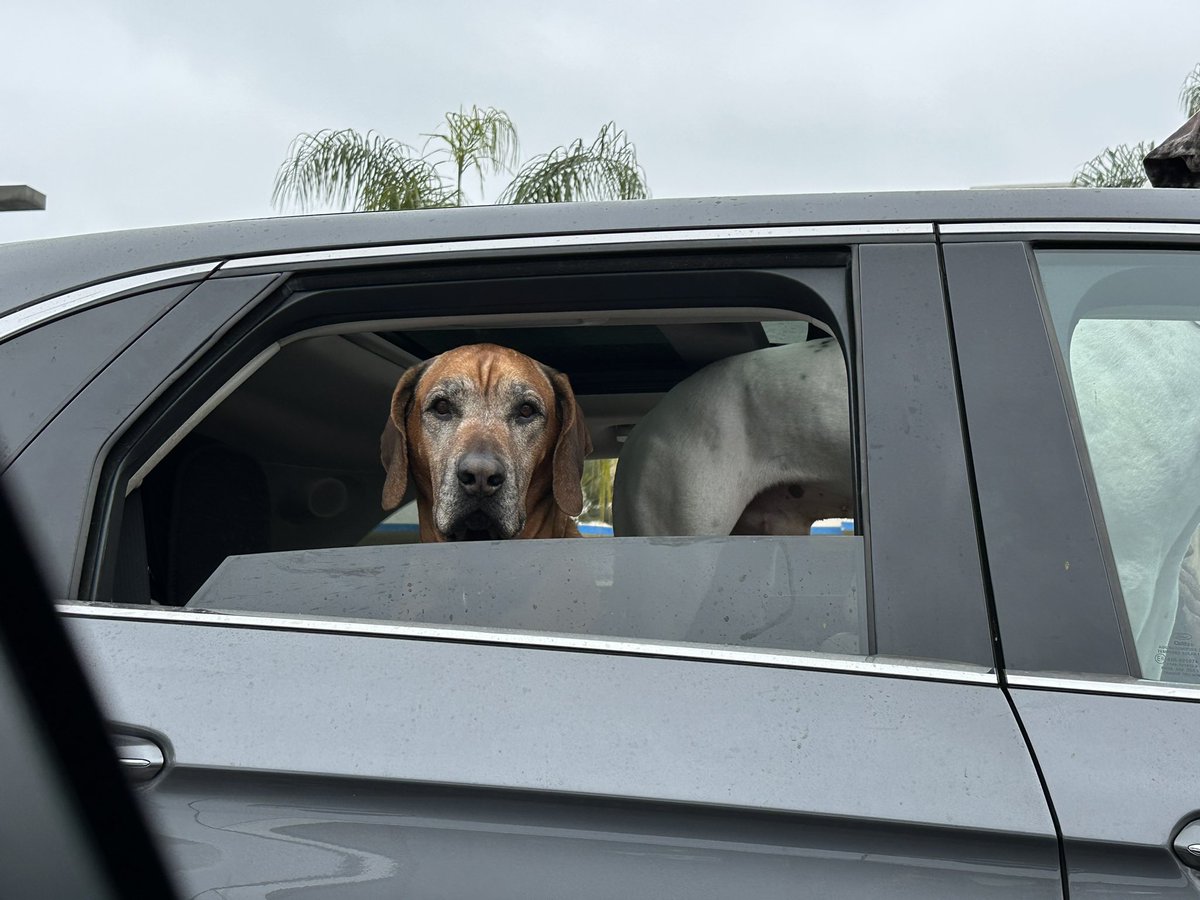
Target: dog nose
{"x": 480, "y": 474}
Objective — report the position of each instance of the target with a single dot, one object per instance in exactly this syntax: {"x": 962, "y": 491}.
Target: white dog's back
{"x": 755, "y": 442}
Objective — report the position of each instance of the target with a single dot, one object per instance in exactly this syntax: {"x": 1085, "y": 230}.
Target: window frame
{"x": 216, "y": 367}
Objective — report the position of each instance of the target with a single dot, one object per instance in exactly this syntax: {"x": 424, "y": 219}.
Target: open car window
{"x": 267, "y": 500}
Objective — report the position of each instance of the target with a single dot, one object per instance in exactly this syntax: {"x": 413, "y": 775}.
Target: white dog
{"x": 755, "y": 443}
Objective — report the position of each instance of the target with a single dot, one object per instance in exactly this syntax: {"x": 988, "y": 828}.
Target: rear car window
{"x": 719, "y": 503}
{"x": 1128, "y": 323}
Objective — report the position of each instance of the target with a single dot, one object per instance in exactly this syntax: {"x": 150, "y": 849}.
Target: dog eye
{"x": 441, "y": 407}
{"x": 526, "y": 411}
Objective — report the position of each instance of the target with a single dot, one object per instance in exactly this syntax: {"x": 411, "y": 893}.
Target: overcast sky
{"x": 128, "y": 113}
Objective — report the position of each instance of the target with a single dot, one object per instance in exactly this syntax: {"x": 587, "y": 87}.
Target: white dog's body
{"x": 758, "y": 442}
{"x": 726, "y": 450}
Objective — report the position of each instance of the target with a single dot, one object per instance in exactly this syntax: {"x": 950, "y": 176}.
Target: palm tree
{"x": 358, "y": 172}
{"x": 1189, "y": 94}
{"x": 477, "y": 140}
{"x": 1121, "y": 166}
{"x": 350, "y": 170}
{"x": 598, "y": 475}
{"x": 606, "y": 170}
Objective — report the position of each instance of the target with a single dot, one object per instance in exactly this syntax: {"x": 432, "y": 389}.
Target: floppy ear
{"x": 574, "y": 443}
{"x": 393, "y": 443}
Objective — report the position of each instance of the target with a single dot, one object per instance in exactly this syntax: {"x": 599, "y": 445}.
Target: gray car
{"x": 985, "y": 684}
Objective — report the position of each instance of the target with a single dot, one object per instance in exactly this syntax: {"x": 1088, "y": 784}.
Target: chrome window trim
{"x": 73, "y": 301}
{"x": 961, "y": 673}
{"x": 1112, "y": 228}
{"x": 1126, "y": 687}
{"x": 552, "y": 241}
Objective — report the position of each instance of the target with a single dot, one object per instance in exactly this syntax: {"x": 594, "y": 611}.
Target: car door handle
{"x": 140, "y": 757}
{"x": 1187, "y": 845}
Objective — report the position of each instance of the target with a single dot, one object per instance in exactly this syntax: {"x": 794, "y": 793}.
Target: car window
{"x": 1128, "y": 323}
{"x": 718, "y": 502}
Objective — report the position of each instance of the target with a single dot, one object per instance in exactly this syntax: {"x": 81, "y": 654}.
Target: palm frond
{"x": 349, "y": 170}
{"x": 1189, "y": 94}
{"x": 606, "y": 170}
{"x": 598, "y": 475}
{"x": 1119, "y": 166}
{"x": 482, "y": 139}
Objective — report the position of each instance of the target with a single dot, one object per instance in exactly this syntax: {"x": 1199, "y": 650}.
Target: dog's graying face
{"x": 480, "y": 432}
{"x": 482, "y": 438}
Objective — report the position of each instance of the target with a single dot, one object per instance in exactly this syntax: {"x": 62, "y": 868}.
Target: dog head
{"x": 486, "y": 435}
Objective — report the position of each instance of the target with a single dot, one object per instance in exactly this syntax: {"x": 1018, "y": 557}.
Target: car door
{"x": 337, "y": 756}
{"x": 1078, "y": 348}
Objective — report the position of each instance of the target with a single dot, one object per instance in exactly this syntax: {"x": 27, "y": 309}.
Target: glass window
{"x": 1129, "y": 326}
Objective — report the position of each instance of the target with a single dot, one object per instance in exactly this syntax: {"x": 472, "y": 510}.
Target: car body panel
{"x": 1053, "y": 600}
{"x": 1122, "y": 772}
{"x": 69, "y": 352}
{"x": 871, "y": 752}
{"x": 915, "y": 459}
{"x": 436, "y": 841}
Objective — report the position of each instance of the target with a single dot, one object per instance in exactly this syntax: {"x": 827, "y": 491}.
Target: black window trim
{"x": 1044, "y": 614}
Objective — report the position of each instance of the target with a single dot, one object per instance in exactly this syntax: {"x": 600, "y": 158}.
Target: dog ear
{"x": 393, "y": 443}
{"x": 574, "y": 444}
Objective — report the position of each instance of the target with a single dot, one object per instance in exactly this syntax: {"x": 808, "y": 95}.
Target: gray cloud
{"x": 132, "y": 113}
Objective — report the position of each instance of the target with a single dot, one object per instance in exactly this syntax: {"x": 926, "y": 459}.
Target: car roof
{"x": 33, "y": 270}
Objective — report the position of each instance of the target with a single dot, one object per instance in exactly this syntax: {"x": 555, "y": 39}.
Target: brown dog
{"x": 493, "y": 442}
